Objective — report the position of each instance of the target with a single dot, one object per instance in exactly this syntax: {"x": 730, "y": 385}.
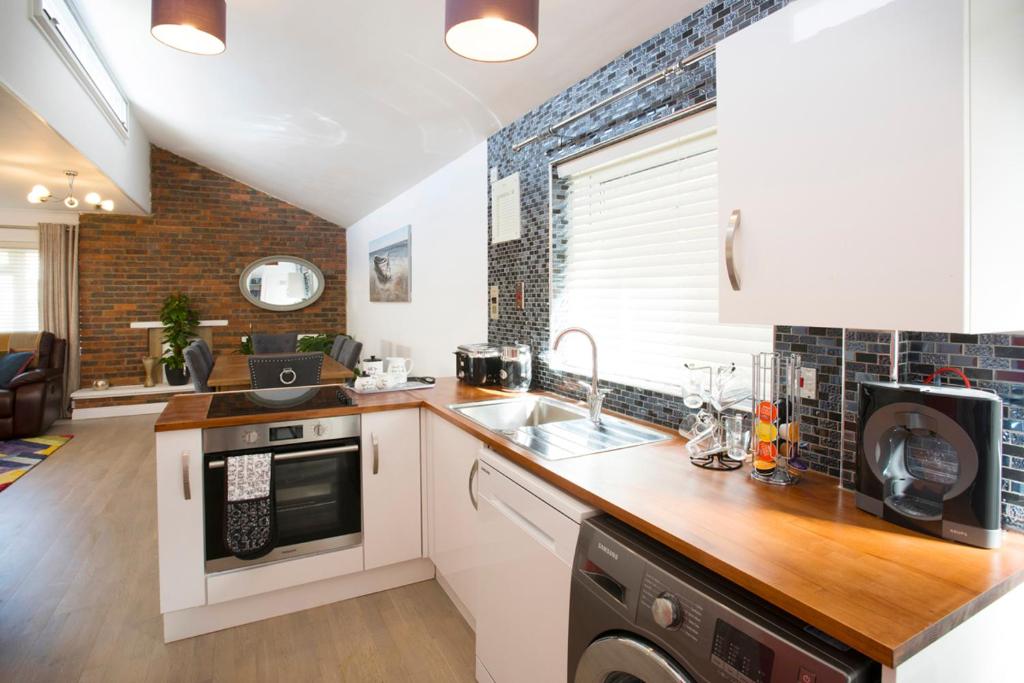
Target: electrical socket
{"x": 809, "y": 383}
{"x": 494, "y": 302}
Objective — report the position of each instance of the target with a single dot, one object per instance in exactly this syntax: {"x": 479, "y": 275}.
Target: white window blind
{"x": 635, "y": 261}
{"x": 19, "y": 283}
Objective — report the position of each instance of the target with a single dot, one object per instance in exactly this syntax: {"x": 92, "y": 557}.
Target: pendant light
{"x": 40, "y": 194}
{"x": 491, "y": 30}
{"x": 196, "y": 26}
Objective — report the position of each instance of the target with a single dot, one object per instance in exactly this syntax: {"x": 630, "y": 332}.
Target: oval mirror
{"x": 281, "y": 283}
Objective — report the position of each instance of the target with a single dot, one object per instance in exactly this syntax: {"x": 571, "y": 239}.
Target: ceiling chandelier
{"x": 40, "y": 195}
{"x": 491, "y": 30}
{"x": 196, "y": 26}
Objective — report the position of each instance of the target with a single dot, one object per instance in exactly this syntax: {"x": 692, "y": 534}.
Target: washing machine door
{"x": 627, "y": 659}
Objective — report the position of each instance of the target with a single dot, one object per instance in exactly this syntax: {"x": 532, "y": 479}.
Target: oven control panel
{"x": 280, "y": 433}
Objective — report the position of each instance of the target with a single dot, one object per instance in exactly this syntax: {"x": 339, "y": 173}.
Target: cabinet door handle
{"x": 730, "y": 256}
{"x": 376, "y": 453}
{"x": 472, "y": 475}
{"x": 186, "y": 480}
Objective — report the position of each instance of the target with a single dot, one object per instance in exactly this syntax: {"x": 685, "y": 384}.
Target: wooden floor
{"x": 79, "y": 601}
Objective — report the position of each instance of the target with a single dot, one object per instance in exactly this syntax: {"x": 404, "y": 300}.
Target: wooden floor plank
{"x": 79, "y": 598}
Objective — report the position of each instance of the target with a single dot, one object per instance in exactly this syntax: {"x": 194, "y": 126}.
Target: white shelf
{"x": 131, "y": 390}
{"x": 153, "y": 324}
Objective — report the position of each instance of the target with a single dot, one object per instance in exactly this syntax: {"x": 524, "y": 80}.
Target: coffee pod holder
{"x": 775, "y": 438}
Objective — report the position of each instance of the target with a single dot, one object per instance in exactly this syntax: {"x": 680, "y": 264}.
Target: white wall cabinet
{"x": 392, "y": 529}
{"x": 453, "y": 466}
{"x": 873, "y": 154}
{"x": 179, "y": 503}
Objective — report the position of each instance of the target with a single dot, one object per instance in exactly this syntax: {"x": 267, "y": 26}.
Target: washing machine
{"x": 642, "y": 612}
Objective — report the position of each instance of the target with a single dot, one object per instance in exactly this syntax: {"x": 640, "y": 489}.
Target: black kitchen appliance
{"x": 316, "y": 479}
{"x": 478, "y": 364}
{"x": 929, "y": 459}
{"x": 639, "y": 611}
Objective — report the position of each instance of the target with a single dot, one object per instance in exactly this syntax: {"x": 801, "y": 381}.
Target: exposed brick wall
{"x": 204, "y": 230}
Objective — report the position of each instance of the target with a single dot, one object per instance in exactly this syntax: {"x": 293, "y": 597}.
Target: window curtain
{"x": 58, "y": 300}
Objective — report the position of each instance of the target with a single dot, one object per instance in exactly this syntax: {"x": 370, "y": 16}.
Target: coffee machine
{"x": 929, "y": 459}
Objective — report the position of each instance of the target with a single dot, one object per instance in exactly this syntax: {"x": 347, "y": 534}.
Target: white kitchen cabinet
{"x": 452, "y": 458}
{"x": 872, "y": 152}
{"x": 528, "y": 533}
{"x": 392, "y": 529}
{"x": 179, "y": 502}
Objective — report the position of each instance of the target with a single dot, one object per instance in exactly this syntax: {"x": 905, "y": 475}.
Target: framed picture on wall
{"x": 391, "y": 266}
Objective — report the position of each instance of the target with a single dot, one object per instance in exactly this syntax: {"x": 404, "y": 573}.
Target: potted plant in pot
{"x": 180, "y": 322}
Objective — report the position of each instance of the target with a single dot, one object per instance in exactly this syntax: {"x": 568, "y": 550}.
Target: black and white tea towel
{"x": 250, "y": 524}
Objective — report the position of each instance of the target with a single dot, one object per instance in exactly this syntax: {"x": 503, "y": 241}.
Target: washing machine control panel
{"x": 666, "y": 605}
{"x": 708, "y": 627}
{"x": 709, "y": 635}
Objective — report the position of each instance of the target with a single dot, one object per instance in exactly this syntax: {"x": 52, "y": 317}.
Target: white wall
{"x": 32, "y": 70}
{"x": 448, "y": 215}
{"x": 33, "y": 217}
{"x": 22, "y": 237}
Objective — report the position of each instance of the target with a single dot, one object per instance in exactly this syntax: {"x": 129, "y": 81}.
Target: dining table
{"x": 231, "y": 371}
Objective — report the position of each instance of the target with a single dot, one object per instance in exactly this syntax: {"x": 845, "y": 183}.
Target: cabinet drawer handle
{"x": 376, "y": 453}
{"x": 730, "y": 256}
{"x": 472, "y": 475}
{"x": 186, "y": 480}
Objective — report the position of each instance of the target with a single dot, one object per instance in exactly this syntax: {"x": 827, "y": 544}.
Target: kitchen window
{"x": 61, "y": 25}
{"x": 19, "y": 280}
{"x": 635, "y": 260}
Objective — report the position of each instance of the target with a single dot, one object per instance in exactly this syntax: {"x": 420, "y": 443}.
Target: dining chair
{"x": 275, "y": 343}
{"x": 339, "y": 342}
{"x": 198, "y": 368}
{"x": 285, "y": 370}
{"x": 349, "y": 356}
{"x": 205, "y": 348}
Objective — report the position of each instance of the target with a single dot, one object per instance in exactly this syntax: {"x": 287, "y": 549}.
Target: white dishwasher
{"x": 528, "y": 531}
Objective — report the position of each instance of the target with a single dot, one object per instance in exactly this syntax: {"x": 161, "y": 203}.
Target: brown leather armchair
{"x": 33, "y": 399}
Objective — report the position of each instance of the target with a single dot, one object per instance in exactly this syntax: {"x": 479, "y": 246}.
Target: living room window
{"x": 635, "y": 260}
{"x": 19, "y": 280}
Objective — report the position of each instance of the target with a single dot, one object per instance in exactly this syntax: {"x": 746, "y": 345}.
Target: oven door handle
{"x": 296, "y": 455}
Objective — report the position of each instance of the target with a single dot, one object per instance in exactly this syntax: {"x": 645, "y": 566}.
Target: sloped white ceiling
{"x": 33, "y": 153}
{"x": 339, "y": 106}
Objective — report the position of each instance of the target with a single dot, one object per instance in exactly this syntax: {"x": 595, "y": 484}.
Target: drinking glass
{"x": 735, "y": 436}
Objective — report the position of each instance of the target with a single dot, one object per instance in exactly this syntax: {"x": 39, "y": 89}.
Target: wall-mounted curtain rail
{"x": 650, "y": 80}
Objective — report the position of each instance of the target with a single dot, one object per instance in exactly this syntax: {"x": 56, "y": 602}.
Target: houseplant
{"x": 180, "y": 322}
{"x": 316, "y": 342}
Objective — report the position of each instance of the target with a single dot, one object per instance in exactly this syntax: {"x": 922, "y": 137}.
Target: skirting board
{"x": 117, "y": 411}
{"x": 209, "y": 618}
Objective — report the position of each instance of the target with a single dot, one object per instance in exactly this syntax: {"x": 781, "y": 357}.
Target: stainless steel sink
{"x": 553, "y": 429}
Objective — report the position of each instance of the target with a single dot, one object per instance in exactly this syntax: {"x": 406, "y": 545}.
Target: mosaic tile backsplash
{"x": 527, "y": 259}
{"x": 842, "y": 358}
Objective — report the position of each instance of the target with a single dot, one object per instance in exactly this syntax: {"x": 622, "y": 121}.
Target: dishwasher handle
{"x": 524, "y": 523}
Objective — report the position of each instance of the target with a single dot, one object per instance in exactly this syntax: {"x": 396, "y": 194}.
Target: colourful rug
{"x": 18, "y": 456}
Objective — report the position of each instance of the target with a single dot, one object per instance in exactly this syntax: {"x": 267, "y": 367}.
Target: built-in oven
{"x": 317, "y": 489}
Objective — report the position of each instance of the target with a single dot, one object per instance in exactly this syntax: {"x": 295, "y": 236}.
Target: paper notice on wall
{"x": 505, "y": 209}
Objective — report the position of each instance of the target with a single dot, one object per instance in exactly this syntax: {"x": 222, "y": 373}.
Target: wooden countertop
{"x": 231, "y": 371}
{"x": 807, "y": 549}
